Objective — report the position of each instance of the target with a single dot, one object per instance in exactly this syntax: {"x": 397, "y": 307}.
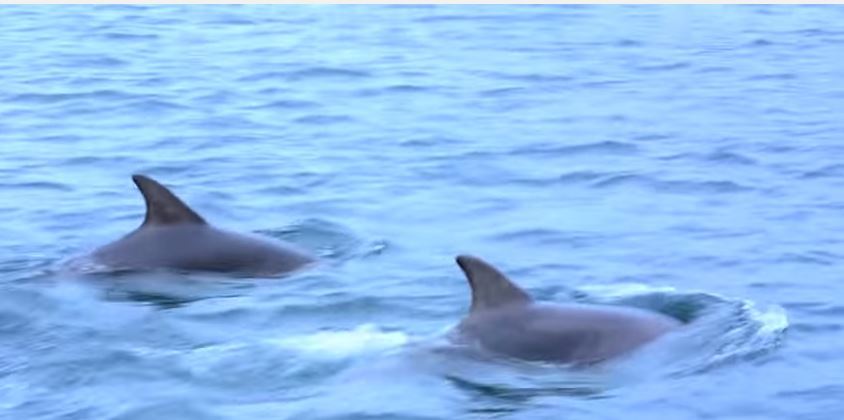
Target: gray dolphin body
{"x": 504, "y": 319}
{"x": 174, "y": 236}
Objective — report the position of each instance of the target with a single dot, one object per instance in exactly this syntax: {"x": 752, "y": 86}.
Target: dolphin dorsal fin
{"x": 163, "y": 207}
{"x": 490, "y": 288}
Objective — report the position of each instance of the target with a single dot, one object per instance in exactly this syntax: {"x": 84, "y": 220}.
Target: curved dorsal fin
{"x": 163, "y": 207}
{"x": 490, "y": 288}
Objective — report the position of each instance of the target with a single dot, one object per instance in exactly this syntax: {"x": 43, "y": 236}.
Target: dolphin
{"x": 174, "y": 236}
{"x": 505, "y": 320}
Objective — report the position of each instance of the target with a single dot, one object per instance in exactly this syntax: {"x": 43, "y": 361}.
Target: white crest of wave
{"x": 622, "y": 290}
{"x": 367, "y": 338}
{"x": 772, "y": 320}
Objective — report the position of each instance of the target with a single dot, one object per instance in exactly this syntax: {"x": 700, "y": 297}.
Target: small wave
{"x": 535, "y": 78}
{"x": 603, "y": 147}
{"x": 232, "y": 20}
{"x": 672, "y": 186}
{"x": 818, "y": 32}
{"x": 714, "y": 69}
{"x": 430, "y": 141}
{"x": 46, "y": 98}
{"x": 761, "y": 42}
{"x": 126, "y": 161}
{"x": 574, "y": 384}
{"x": 323, "y": 119}
{"x": 326, "y": 238}
{"x": 547, "y": 237}
{"x": 89, "y": 60}
{"x": 266, "y": 76}
{"x": 313, "y": 73}
{"x": 328, "y": 72}
{"x": 287, "y": 104}
{"x": 729, "y": 157}
{"x": 468, "y": 18}
{"x": 652, "y": 137}
{"x": 720, "y": 156}
{"x": 36, "y": 185}
{"x": 773, "y": 76}
{"x": 157, "y": 106}
{"x": 151, "y": 81}
{"x": 398, "y": 89}
{"x": 367, "y": 338}
{"x": 174, "y": 408}
{"x": 664, "y": 67}
{"x": 84, "y": 264}
{"x": 583, "y": 176}
{"x": 628, "y": 43}
{"x": 25, "y": 268}
{"x": 123, "y": 36}
{"x": 407, "y": 88}
{"x": 719, "y": 330}
{"x": 663, "y": 299}
{"x": 735, "y": 331}
{"x": 602, "y": 83}
{"x": 499, "y": 92}
{"x": 811, "y": 257}
{"x": 829, "y": 171}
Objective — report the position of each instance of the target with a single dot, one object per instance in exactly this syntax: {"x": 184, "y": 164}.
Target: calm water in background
{"x": 683, "y": 159}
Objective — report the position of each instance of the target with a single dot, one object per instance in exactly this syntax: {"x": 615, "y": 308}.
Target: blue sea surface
{"x": 682, "y": 159}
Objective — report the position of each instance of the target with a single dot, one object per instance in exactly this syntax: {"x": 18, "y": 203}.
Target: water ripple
{"x": 125, "y": 36}
{"x": 598, "y": 148}
{"x": 324, "y": 119}
{"x": 720, "y": 156}
{"x": 829, "y": 171}
{"x": 36, "y": 185}
{"x": 399, "y": 90}
{"x": 308, "y": 74}
{"x": 48, "y": 98}
{"x": 285, "y": 104}
{"x": 672, "y": 186}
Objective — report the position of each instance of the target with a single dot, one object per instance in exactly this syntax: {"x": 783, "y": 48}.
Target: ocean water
{"x": 684, "y": 159}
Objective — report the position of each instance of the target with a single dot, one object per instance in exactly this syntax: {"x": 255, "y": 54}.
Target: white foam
{"x": 623, "y": 290}
{"x": 367, "y": 338}
{"x": 772, "y": 320}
